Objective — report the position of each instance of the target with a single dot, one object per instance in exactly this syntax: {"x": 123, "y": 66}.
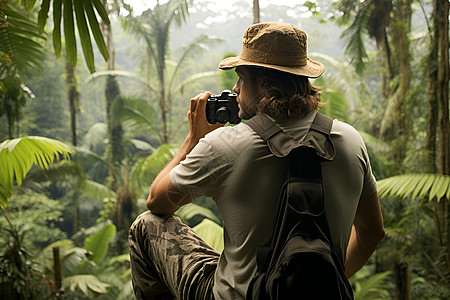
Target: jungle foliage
{"x": 78, "y": 154}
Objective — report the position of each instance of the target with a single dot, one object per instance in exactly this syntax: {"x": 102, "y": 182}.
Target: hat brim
{"x": 312, "y": 69}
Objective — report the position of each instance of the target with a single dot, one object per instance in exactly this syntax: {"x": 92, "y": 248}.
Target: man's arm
{"x": 367, "y": 232}
{"x": 164, "y": 198}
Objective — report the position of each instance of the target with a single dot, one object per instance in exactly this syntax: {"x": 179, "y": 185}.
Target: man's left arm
{"x": 164, "y": 197}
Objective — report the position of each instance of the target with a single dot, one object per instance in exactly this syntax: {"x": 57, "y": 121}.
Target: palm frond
{"x": 19, "y": 49}
{"x": 197, "y": 45}
{"x": 354, "y": 37}
{"x": 145, "y": 170}
{"x": 416, "y": 185}
{"x": 86, "y": 21}
{"x": 119, "y": 73}
{"x": 192, "y": 78}
{"x": 138, "y": 114}
{"x": 18, "y": 155}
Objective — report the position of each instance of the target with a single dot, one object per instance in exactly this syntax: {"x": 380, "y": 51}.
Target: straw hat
{"x": 278, "y": 46}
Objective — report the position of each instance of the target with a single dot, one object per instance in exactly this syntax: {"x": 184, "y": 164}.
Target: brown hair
{"x": 283, "y": 94}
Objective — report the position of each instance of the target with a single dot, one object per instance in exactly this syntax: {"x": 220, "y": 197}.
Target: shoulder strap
{"x": 281, "y": 144}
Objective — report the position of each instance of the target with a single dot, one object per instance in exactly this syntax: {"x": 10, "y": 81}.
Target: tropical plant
{"x": 19, "y": 50}
{"x": 88, "y": 272}
{"x": 18, "y": 155}
{"x": 140, "y": 165}
{"x": 211, "y": 233}
{"x": 373, "y": 18}
{"x": 416, "y": 220}
{"x": 41, "y": 218}
{"x": 367, "y": 286}
{"x": 13, "y": 95}
{"x": 431, "y": 186}
{"x": 86, "y": 21}
{"x": 19, "y": 273}
{"x": 153, "y": 27}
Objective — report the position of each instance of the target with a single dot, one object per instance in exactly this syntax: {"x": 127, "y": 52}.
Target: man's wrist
{"x": 189, "y": 143}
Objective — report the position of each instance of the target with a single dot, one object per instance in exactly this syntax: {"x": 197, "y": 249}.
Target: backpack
{"x": 301, "y": 261}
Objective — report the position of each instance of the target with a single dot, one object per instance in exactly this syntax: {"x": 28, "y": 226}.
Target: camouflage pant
{"x": 169, "y": 260}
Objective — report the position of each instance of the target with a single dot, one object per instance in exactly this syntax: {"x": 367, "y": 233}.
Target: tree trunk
{"x": 164, "y": 128}
{"x": 443, "y": 80}
{"x": 402, "y": 275}
{"x": 74, "y": 97}
{"x": 432, "y": 119}
{"x": 115, "y": 150}
{"x": 397, "y": 123}
{"x": 256, "y": 13}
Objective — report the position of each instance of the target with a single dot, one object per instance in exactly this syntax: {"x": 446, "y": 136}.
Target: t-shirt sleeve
{"x": 370, "y": 183}
{"x": 200, "y": 174}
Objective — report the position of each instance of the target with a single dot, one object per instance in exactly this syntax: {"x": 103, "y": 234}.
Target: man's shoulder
{"x": 343, "y": 128}
{"x": 237, "y": 138}
{"x": 238, "y": 131}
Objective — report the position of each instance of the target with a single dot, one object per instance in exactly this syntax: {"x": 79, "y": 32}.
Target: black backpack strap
{"x": 281, "y": 144}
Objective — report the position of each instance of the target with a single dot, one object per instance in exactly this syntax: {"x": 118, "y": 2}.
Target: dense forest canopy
{"x": 93, "y": 102}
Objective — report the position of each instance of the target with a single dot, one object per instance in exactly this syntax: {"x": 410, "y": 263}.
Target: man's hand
{"x": 198, "y": 125}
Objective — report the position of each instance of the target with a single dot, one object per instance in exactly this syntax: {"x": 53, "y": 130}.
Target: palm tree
{"x": 153, "y": 27}
{"x": 256, "y": 14}
{"x": 391, "y": 36}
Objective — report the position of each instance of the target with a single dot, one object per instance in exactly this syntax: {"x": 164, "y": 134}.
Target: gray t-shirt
{"x": 234, "y": 166}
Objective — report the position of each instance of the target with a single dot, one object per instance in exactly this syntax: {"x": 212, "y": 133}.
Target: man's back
{"x": 244, "y": 178}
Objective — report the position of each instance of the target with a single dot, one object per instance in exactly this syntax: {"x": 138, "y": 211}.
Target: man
{"x": 234, "y": 166}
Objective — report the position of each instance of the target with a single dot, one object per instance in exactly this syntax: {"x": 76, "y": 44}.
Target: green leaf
{"x": 69, "y": 32}
{"x": 211, "y": 233}
{"x": 94, "y": 189}
{"x": 43, "y": 15}
{"x": 191, "y": 210}
{"x": 145, "y": 170}
{"x": 436, "y": 186}
{"x": 85, "y": 282}
{"x": 17, "y": 45}
{"x": 57, "y": 9}
{"x": 85, "y": 36}
{"x": 30, "y": 5}
{"x": 95, "y": 28}
{"x": 373, "y": 287}
{"x": 18, "y": 155}
{"x": 98, "y": 242}
{"x": 101, "y": 11}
